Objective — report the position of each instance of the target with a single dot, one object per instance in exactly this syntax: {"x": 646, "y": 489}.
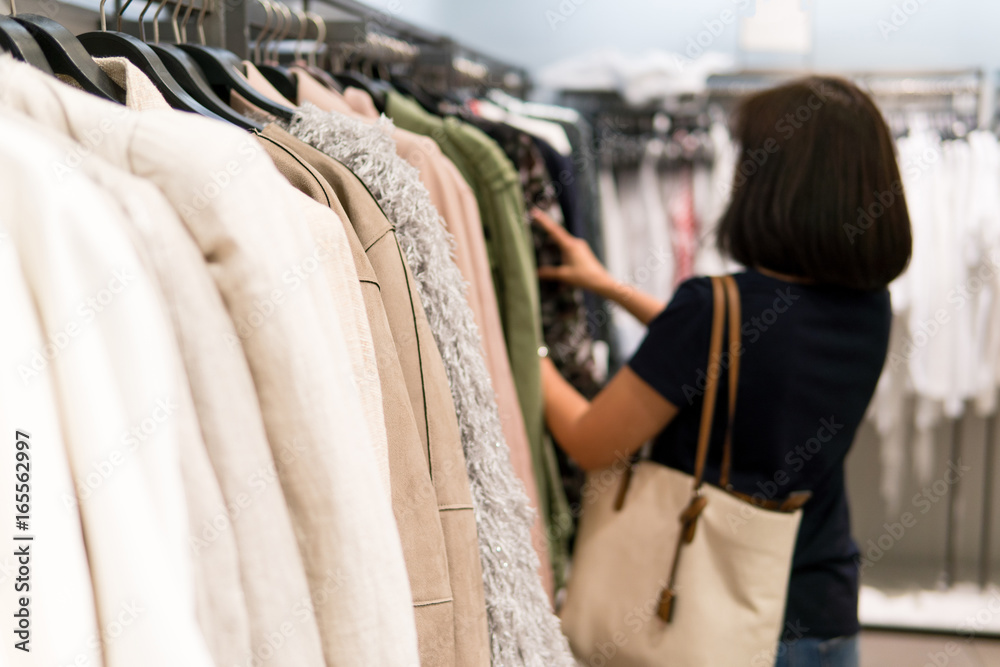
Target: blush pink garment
{"x": 260, "y": 83}
{"x": 685, "y": 230}
{"x": 361, "y": 102}
{"x": 456, "y": 202}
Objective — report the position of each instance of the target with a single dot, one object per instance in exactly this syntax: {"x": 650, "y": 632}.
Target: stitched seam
{"x": 378, "y": 238}
{"x": 420, "y": 360}
{"x": 433, "y": 602}
{"x": 306, "y": 167}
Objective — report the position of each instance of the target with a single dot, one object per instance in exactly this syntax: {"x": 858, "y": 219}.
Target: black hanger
{"x": 16, "y": 40}
{"x": 103, "y": 43}
{"x": 281, "y": 78}
{"x": 430, "y": 103}
{"x": 140, "y": 54}
{"x": 223, "y": 71}
{"x": 370, "y": 86}
{"x": 186, "y": 72}
{"x": 66, "y": 55}
{"x": 190, "y": 77}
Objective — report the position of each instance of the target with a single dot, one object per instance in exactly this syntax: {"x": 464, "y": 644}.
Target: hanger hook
{"x": 156, "y": 21}
{"x": 201, "y": 21}
{"x": 286, "y": 28}
{"x": 142, "y": 19}
{"x": 173, "y": 20}
{"x": 284, "y": 24}
{"x": 320, "y": 37}
{"x": 268, "y": 11}
{"x": 184, "y": 21}
{"x": 279, "y": 23}
{"x": 303, "y": 29}
{"x": 122, "y": 11}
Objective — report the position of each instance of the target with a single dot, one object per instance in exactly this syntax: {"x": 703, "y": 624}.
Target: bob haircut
{"x": 817, "y": 191}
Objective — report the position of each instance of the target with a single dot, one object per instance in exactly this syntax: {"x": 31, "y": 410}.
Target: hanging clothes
{"x": 117, "y": 370}
{"x": 64, "y": 615}
{"x": 319, "y": 481}
{"x": 415, "y": 502}
{"x": 628, "y": 332}
{"x": 521, "y": 624}
{"x": 684, "y": 225}
{"x": 501, "y": 205}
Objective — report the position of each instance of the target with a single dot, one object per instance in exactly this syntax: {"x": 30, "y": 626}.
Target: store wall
{"x": 847, "y": 34}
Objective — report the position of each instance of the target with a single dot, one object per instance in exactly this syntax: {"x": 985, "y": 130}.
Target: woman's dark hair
{"x": 817, "y": 191}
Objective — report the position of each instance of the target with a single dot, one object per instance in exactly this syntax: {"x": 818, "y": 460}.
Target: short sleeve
{"x": 673, "y": 356}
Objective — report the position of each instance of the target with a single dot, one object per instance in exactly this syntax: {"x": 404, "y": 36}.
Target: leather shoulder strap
{"x": 713, "y": 371}
{"x": 735, "y": 320}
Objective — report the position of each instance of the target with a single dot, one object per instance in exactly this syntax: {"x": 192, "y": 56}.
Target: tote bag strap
{"x": 735, "y": 352}
{"x": 723, "y": 289}
{"x": 713, "y": 371}
{"x": 725, "y": 297}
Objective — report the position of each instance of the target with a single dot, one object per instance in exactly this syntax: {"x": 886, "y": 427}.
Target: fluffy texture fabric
{"x": 523, "y": 629}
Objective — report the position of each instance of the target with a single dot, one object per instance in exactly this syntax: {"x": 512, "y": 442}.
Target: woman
{"x": 818, "y": 218}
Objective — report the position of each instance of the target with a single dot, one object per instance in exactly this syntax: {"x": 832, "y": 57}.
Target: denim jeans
{"x": 807, "y": 652}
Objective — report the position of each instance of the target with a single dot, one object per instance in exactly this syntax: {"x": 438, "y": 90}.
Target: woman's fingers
{"x": 552, "y": 272}
{"x": 554, "y": 229}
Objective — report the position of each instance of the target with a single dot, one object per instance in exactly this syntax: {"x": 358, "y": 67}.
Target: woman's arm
{"x": 621, "y": 418}
{"x": 582, "y": 269}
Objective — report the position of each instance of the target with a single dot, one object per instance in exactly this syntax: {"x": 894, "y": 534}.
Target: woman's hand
{"x": 580, "y": 266}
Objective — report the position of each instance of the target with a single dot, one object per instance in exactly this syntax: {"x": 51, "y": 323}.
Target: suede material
{"x": 415, "y": 499}
{"x": 430, "y": 398}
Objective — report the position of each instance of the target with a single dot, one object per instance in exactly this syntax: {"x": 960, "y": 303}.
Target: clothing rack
{"x": 228, "y": 24}
{"x": 436, "y": 50}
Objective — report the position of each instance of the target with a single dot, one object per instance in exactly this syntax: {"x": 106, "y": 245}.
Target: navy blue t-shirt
{"x": 811, "y": 358}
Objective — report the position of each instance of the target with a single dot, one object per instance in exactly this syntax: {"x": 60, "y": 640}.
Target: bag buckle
{"x": 665, "y": 610}
{"x": 689, "y": 517}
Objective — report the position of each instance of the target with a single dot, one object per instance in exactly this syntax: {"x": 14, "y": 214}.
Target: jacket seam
{"x": 429, "y": 603}
{"x": 420, "y": 361}
{"x": 306, "y": 167}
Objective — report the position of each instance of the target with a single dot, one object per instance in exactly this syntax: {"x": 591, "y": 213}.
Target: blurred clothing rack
{"x": 228, "y": 24}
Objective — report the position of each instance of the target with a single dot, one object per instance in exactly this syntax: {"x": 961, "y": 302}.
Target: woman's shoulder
{"x": 690, "y": 306}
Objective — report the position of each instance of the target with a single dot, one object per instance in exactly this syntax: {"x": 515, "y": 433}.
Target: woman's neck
{"x": 783, "y": 276}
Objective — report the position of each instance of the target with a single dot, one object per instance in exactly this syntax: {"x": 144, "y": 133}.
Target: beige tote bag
{"x": 674, "y": 572}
